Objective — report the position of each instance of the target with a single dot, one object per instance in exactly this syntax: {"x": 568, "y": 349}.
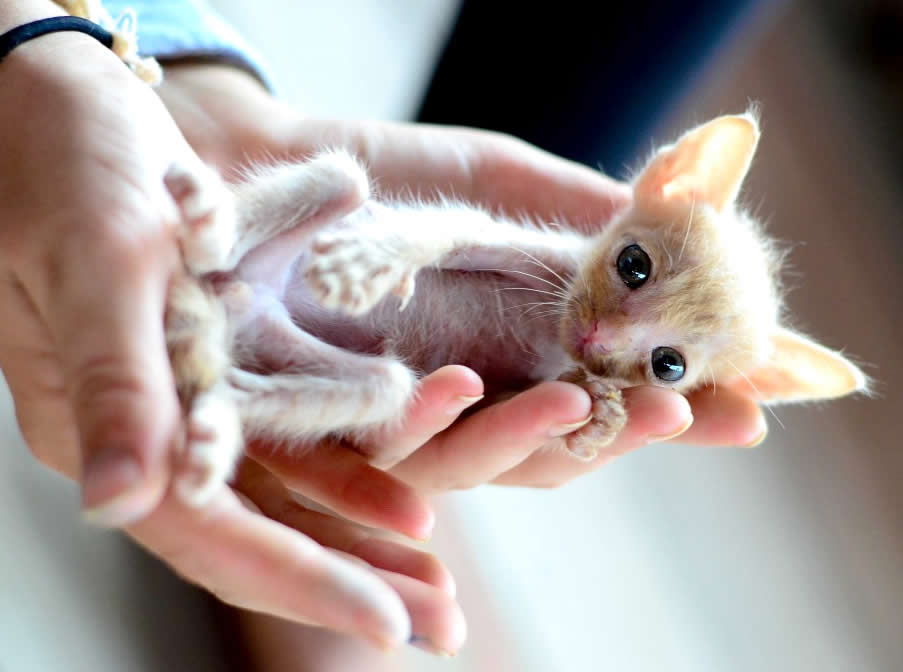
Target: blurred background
{"x": 788, "y": 556}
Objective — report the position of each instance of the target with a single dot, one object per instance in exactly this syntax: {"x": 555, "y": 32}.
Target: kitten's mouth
{"x": 586, "y": 341}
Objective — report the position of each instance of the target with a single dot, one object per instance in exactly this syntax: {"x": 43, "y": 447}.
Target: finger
{"x": 495, "y": 439}
{"x": 491, "y": 169}
{"x": 654, "y": 414}
{"x": 441, "y": 397}
{"x": 340, "y": 479}
{"x": 437, "y": 623}
{"x": 519, "y": 177}
{"x": 724, "y": 417}
{"x": 425, "y": 586}
{"x": 255, "y": 563}
{"x": 268, "y": 494}
{"x": 103, "y": 306}
{"x": 400, "y": 559}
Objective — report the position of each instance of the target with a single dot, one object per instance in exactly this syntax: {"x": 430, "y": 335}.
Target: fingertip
{"x": 438, "y": 624}
{"x": 368, "y": 606}
{"x": 402, "y": 509}
{"x": 381, "y": 500}
{"x": 725, "y": 418}
{"x": 119, "y": 488}
{"x": 657, "y": 414}
{"x": 569, "y": 403}
{"x": 450, "y": 384}
{"x": 467, "y": 381}
{"x": 756, "y": 436}
{"x": 119, "y": 496}
{"x": 401, "y": 559}
{"x": 427, "y": 523}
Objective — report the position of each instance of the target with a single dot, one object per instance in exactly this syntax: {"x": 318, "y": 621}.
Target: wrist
{"x": 54, "y": 52}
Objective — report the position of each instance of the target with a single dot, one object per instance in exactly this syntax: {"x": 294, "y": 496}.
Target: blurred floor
{"x": 786, "y": 557}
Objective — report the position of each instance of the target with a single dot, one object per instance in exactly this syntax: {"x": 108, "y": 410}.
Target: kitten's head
{"x": 683, "y": 287}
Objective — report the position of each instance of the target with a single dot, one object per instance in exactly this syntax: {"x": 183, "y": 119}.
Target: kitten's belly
{"x": 475, "y": 319}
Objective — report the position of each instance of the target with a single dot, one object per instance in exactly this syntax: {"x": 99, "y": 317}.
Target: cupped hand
{"x": 86, "y": 255}
{"x": 87, "y": 250}
{"x": 515, "y": 442}
{"x": 230, "y": 121}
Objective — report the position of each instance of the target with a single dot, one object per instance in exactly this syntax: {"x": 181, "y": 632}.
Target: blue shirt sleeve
{"x": 171, "y": 29}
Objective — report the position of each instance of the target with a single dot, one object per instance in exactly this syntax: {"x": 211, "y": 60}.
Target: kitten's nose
{"x": 603, "y": 337}
{"x": 585, "y": 335}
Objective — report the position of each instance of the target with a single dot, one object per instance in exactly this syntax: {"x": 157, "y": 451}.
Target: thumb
{"x": 104, "y": 307}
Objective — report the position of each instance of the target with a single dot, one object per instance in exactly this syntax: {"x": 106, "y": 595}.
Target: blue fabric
{"x": 169, "y": 29}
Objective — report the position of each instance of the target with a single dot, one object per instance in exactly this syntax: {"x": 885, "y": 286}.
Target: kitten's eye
{"x": 634, "y": 266}
{"x": 668, "y": 364}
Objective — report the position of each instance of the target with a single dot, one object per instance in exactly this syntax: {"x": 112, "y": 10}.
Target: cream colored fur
{"x": 312, "y": 307}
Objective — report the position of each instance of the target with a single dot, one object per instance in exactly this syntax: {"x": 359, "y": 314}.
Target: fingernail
{"x": 561, "y": 430}
{"x": 673, "y": 435}
{"x": 460, "y": 403}
{"x": 108, "y": 484}
{"x": 425, "y": 644}
{"x": 760, "y": 437}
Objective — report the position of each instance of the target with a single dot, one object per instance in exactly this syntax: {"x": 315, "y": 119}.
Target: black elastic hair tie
{"x": 28, "y": 31}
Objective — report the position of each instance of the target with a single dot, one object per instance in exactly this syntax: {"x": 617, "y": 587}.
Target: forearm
{"x": 16, "y": 13}
{"x": 66, "y": 67}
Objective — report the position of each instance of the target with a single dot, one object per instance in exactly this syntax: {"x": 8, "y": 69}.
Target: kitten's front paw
{"x": 608, "y": 418}
{"x": 352, "y": 274}
{"x": 213, "y": 446}
{"x": 208, "y": 227}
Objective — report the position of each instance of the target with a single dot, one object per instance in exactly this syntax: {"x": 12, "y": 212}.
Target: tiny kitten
{"x": 298, "y": 315}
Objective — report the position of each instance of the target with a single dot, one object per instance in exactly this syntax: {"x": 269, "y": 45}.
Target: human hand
{"x": 87, "y": 253}
{"x": 510, "y": 442}
{"x": 230, "y": 120}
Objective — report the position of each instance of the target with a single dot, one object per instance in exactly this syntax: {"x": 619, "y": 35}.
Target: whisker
{"x": 670, "y": 258}
{"x": 759, "y": 394}
{"x": 530, "y": 289}
{"x": 543, "y": 265}
{"x": 533, "y": 303}
{"x": 529, "y": 275}
{"x": 548, "y": 311}
{"x": 539, "y": 316}
{"x": 689, "y": 226}
{"x": 556, "y": 311}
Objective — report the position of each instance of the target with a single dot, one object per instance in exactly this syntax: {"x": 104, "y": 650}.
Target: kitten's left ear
{"x": 707, "y": 165}
{"x": 802, "y": 370}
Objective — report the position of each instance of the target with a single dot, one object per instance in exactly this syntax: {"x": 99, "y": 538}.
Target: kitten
{"x": 298, "y": 316}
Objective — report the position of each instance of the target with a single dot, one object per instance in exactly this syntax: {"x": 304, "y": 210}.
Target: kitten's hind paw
{"x": 213, "y": 446}
{"x": 352, "y": 274}
{"x": 208, "y": 228}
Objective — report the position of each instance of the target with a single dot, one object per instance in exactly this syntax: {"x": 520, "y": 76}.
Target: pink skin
{"x": 587, "y": 335}
{"x": 599, "y": 336}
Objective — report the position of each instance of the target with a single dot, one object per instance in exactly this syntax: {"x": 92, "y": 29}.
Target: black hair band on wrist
{"x": 28, "y": 31}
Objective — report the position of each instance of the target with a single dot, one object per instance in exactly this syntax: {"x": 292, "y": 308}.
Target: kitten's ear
{"x": 802, "y": 370}
{"x": 707, "y": 165}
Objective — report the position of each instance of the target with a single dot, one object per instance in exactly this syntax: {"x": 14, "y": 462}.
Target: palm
{"x": 499, "y": 173}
